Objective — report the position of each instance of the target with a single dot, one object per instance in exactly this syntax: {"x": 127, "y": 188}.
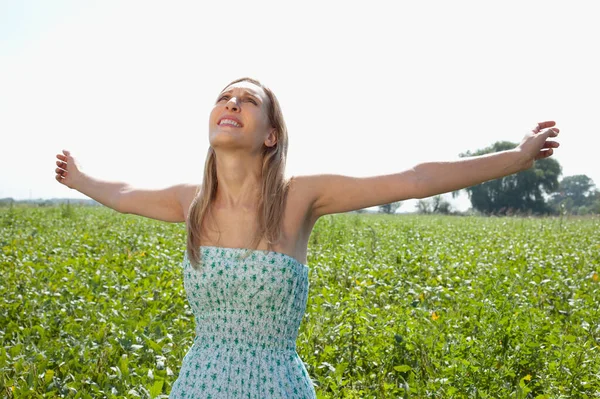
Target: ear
{"x": 271, "y": 138}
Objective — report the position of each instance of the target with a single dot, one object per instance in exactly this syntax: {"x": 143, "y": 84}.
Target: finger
{"x": 59, "y": 179}
{"x": 66, "y": 152}
{"x": 551, "y": 144}
{"x": 61, "y": 164}
{"x": 60, "y": 171}
{"x": 553, "y": 132}
{"x": 543, "y": 125}
{"x": 546, "y": 124}
{"x": 544, "y": 154}
{"x": 61, "y": 157}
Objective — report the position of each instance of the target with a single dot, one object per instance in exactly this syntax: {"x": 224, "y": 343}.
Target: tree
{"x": 390, "y": 208}
{"x": 576, "y": 194}
{"x": 423, "y": 206}
{"x": 440, "y": 205}
{"x": 436, "y": 204}
{"x": 519, "y": 192}
{"x": 595, "y": 202}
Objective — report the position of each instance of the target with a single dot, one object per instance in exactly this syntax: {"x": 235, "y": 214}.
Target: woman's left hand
{"x": 534, "y": 145}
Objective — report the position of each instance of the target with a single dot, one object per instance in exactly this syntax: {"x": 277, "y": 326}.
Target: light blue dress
{"x": 247, "y": 305}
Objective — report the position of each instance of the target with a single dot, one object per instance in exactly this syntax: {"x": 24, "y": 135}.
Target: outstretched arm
{"x": 165, "y": 204}
{"x": 334, "y": 193}
{"x": 442, "y": 177}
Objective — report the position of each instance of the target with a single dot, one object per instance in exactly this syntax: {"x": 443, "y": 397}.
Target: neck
{"x": 239, "y": 179}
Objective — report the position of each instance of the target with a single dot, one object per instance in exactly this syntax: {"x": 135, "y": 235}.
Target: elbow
{"x": 119, "y": 201}
{"x": 419, "y": 185}
{"x": 117, "y": 206}
{"x": 122, "y": 211}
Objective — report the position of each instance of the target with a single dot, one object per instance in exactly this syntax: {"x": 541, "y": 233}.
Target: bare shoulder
{"x": 189, "y": 190}
{"x": 330, "y": 193}
{"x": 186, "y": 193}
{"x": 302, "y": 185}
{"x": 304, "y": 194}
{"x": 303, "y": 189}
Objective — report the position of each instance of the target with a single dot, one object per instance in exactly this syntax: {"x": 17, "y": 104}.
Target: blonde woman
{"x": 248, "y": 226}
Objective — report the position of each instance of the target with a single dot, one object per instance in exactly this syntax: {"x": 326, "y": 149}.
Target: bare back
{"x": 237, "y": 226}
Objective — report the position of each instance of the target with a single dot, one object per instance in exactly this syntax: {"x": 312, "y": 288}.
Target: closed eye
{"x": 226, "y": 97}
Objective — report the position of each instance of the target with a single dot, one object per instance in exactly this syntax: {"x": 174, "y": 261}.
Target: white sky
{"x": 366, "y": 88}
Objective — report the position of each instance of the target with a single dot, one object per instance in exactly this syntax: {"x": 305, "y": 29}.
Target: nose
{"x": 232, "y": 104}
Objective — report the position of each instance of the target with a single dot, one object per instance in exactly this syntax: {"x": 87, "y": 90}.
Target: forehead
{"x": 246, "y": 87}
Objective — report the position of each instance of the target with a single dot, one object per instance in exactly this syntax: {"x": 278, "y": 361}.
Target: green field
{"x": 92, "y": 305}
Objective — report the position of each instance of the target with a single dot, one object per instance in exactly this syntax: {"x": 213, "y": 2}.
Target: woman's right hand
{"x": 68, "y": 171}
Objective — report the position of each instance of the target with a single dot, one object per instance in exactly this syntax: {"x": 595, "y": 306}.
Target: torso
{"x": 235, "y": 233}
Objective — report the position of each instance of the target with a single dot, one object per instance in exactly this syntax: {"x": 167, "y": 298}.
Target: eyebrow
{"x": 245, "y": 92}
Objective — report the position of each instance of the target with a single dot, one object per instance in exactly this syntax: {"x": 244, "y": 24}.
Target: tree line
{"x": 535, "y": 191}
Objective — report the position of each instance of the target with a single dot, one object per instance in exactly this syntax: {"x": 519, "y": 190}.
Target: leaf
{"x": 154, "y": 346}
{"x": 329, "y": 366}
{"x": 156, "y": 388}
{"x": 48, "y": 376}
{"x": 570, "y": 338}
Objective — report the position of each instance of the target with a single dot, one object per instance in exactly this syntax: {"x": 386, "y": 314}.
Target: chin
{"x": 225, "y": 141}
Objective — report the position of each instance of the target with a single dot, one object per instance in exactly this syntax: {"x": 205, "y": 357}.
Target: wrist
{"x": 522, "y": 160}
{"x": 79, "y": 182}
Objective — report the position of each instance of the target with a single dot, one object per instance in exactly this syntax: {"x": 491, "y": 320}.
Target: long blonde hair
{"x": 274, "y": 186}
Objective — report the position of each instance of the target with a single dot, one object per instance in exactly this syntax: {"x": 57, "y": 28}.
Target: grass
{"x": 93, "y": 305}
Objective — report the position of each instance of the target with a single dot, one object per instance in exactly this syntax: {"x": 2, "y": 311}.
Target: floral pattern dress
{"x": 247, "y": 305}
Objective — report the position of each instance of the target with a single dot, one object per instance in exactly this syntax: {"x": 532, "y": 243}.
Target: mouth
{"x": 229, "y": 122}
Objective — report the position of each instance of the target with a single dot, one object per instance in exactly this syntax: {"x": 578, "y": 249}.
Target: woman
{"x": 248, "y": 227}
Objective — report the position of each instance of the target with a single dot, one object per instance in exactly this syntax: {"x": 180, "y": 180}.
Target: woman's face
{"x": 239, "y": 118}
